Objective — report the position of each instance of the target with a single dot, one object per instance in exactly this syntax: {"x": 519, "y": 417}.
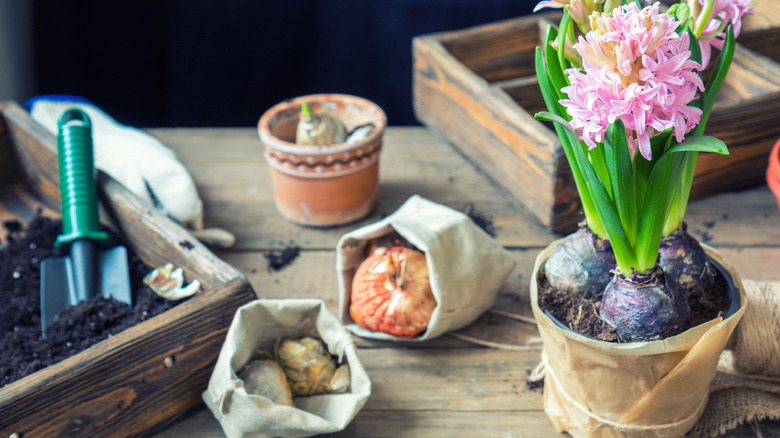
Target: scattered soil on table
{"x": 582, "y": 315}
{"x": 482, "y": 221}
{"x": 279, "y": 259}
{"x": 76, "y": 328}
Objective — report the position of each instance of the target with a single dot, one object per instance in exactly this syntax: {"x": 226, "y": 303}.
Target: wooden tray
{"x": 477, "y": 88}
{"x": 143, "y": 378}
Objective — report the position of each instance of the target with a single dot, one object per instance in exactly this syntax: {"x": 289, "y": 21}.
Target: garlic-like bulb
{"x": 264, "y": 377}
{"x": 391, "y": 292}
{"x": 168, "y": 282}
{"x": 318, "y": 129}
{"x": 309, "y": 367}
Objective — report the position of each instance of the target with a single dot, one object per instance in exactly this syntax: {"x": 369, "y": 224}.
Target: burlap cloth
{"x": 745, "y": 386}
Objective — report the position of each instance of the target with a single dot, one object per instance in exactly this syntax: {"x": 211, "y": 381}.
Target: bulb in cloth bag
{"x": 264, "y": 377}
{"x": 318, "y": 129}
{"x": 391, "y": 292}
{"x": 310, "y": 369}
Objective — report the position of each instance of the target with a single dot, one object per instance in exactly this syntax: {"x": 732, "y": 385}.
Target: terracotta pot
{"x": 323, "y": 185}
{"x": 773, "y": 172}
{"x": 656, "y": 389}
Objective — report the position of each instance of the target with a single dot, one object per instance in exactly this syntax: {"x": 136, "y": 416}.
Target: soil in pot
{"x": 582, "y": 314}
{"x": 76, "y": 328}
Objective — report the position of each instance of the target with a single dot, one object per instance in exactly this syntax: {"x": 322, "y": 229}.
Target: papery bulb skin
{"x": 308, "y": 366}
{"x": 264, "y": 377}
{"x": 684, "y": 260}
{"x": 581, "y": 264}
{"x": 645, "y": 307}
{"x": 391, "y": 292}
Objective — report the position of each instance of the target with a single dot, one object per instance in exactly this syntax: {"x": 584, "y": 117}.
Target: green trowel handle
{"x": 78, "y": 190}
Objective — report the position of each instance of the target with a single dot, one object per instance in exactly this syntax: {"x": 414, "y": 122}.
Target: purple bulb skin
{"x": 645, "y": 307}
{"x": 683, "y": 259}
{"x": 581, "y": 264}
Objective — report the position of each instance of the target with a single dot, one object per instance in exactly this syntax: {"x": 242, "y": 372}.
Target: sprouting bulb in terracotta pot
{"x": 391, "y": 292}
{"x": 318, "y": 129}
{"x": 309, "y": 367}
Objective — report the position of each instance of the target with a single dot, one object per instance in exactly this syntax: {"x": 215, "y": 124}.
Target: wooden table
{"x": 464, "y": 384}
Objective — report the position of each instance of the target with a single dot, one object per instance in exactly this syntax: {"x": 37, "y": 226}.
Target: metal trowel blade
{"x": 57, "y": 283}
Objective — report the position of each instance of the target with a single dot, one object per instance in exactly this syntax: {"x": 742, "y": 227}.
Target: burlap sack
{"x": 467, "y": 267}
{"x": 640, "y": 389}
{"x": 258, "y": 325}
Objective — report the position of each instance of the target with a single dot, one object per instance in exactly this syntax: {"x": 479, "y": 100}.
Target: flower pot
{"x": 659, "y": 388}
{"x": 323, "y": 185}
{"x": 773, "y": 172}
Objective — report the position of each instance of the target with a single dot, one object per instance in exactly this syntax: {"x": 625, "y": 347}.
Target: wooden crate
{"x": 761, "y": 30}
{"x": 140, "y": 380}
{"x": 477, "y": 88}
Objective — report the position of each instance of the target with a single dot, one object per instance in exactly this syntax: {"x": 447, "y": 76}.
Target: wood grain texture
{"x": 761, "y": 30}
{"x": 417, "y": 386}
{"x": 120, "y": 386}
{"x": 476, "y": 88}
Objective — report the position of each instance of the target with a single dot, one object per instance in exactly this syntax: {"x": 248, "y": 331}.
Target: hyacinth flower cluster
{"x": 629, "y": 105}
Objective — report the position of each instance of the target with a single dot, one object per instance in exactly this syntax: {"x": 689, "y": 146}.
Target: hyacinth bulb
{"x": 645, "y": 307}
{"x": 264, "y": 377}
{"x": 391, "y": 292}
{"x": 581, "y": 264}
{"x": 309, "y": 367}
{"x": 684, "y": 260}
{"x": 318, "y": 129}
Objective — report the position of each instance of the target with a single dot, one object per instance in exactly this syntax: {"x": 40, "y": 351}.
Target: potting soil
{"x": 582, "y": 314}
{"x": 24, "y": 351}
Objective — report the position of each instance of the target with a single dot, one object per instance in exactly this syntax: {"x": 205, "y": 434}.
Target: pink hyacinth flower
{"x": 724, "y": 12}
{"x": 636, "y": 68}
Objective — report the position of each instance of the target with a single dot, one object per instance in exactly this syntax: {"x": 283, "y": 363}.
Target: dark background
{"x": 222, "y": 63}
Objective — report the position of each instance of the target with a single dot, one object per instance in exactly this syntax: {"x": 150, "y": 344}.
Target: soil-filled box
{"x": 477, "y": 88}
{"x": 143, "y": 378}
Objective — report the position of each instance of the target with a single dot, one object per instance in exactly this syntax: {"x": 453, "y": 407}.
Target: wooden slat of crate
{"x": 139, "y": 380}
{"x": 487, "y": 113}
{"x": 761, "y": 29}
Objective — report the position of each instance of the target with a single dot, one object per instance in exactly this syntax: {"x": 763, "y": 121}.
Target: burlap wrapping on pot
{"x": 467, "y": 267}
{"x": 640, "y": 389}
{"x": 258, "y": 325}
{"x": 746, "y": 387}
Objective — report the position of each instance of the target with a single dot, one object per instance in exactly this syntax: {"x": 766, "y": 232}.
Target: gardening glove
{"x": 138, "y": 161}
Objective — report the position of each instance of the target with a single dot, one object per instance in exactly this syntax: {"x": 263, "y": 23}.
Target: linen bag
{"x": 467, "y": 267}
{"x": 258, "y": 325}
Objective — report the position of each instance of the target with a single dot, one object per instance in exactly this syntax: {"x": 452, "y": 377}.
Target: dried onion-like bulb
{"x": 391, "y": 292}
{"x": 310, "y": 369}
{"x": 264, "y": 377}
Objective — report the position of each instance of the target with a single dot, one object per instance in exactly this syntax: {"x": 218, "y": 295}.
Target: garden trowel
{"x": 88, "y": 267}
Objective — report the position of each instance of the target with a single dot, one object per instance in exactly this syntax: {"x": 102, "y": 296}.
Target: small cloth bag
{"x": 258, "y": 325}
{"x": 467, "y": 267}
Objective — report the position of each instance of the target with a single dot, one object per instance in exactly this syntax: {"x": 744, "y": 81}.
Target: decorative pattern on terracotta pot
{"x": 323, "y": 162}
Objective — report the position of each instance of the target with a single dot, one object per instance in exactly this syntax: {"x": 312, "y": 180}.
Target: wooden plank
{"x": 392, "y": 424}
{"x": 234, "y": 183}
{"x": 761, "y": 30}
